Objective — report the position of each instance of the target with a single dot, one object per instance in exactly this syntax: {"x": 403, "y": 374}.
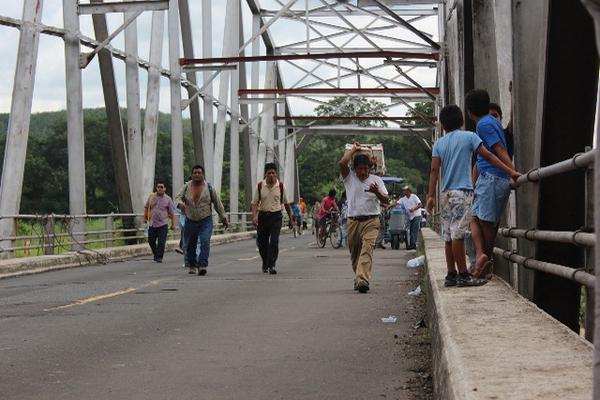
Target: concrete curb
{"x": 491, "y": 343}
{"x": 14, "y": 267}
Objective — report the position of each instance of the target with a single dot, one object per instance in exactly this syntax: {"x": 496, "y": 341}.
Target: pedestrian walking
{"x": 412, "y": 204}
{"x": 315, "y": 216}
{"x": 267, "y": 204}
{"x": 364, "y": 193}
{"x": 157, "y": 212}
{"x": 196, "y": 199}
{"x": 452, "y": 154}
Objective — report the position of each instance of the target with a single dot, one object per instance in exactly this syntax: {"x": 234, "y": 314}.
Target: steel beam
{"x": 123, "y": 6}
{"x": 330, "y": 91}
{"x": 188, "y": 51}
{"x": 113, "y": 117}
{"x": 17, "y": 135}
{"x": 75, "y": 136}
{"x": 234, "y": 128}
{"x": 151, "y": 114}
{"x": 175, "y": 86}
{"x": 350, "y": 118}
{"x": 315, "y": 56}
{"x": 208, "y": 122}
{"x": 134, "y": 129}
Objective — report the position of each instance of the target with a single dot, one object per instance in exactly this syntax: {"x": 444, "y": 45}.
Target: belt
{"x": 270, "y": 212}
{"x": 361, "y": 218}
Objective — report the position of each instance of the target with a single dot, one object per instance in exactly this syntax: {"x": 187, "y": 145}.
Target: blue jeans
{"x": 415, "y": 225}
{"x": 491, "y": 196}
{"x": 198, "y": 233}
{"x": 157, "y": 238}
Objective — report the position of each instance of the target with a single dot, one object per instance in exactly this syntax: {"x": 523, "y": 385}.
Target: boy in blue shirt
{"x": 452, "y": 154}
{"x": 493, "y": 183}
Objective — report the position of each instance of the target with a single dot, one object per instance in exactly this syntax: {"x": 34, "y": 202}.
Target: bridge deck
{"x": 142, "y": 330}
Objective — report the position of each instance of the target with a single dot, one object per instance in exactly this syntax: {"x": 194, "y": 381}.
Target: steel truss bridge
{"x": 297, "y": 54}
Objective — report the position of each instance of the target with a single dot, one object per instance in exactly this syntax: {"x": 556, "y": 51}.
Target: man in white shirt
{"x": 412, "y": 204}
{"x": 365, "y": 193}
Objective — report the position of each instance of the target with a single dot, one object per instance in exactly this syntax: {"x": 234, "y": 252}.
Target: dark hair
{"x": 332, "y": 193}
{"x": 361, "y": 159}
{"x": 478, "y": 102}
{"x": 198, "y": 166}
{"x": 269, "y": 166}
{"x": 497, "y": 108}
{"x": 451, "y": 117}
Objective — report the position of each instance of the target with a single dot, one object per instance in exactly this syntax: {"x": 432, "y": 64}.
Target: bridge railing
{"x": 47, "y": 234}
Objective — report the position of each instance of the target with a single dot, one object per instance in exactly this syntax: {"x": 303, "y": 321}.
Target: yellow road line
{"x": 99, "y": 297}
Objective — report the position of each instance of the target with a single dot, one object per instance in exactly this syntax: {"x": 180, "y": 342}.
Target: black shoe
{"x": 355, "y": 286}
{"x": 466, "y": 279}
{"x": 272, "y": 271}
{"x": 201, "y": 271}
{"x": 265, "y": 270}
{"x": 178, "y": 250}
{"x": 362, "y": 287}
{"x": 158, "y": 260}
{"x": 450, "y": 279}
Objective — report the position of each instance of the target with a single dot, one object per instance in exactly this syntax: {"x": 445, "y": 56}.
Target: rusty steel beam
{"x": 434, "y": 55}
{"x": 299, "y": 91}
{"x": 350, "y": 118}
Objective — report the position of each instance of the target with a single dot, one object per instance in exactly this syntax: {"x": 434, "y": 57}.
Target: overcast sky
{"x": 49, "y": 92}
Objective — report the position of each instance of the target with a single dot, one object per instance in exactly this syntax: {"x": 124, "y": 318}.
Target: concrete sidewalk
{"x": 491, "y": 343}
{"x": 13, "y": 267}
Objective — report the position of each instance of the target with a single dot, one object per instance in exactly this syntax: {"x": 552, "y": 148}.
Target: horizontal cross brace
{"x": 349, "y": 118}
{"x": 412, "y": 91}
{"x": 123, "y": 6}
{"x": 319, "y": 56}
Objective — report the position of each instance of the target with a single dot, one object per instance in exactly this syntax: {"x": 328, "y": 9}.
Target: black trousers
{"x": 158, "y": 234}
{"x": 267, "y": 232}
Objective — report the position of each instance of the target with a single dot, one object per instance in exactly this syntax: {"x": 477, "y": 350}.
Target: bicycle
{"x": 332, "y": 231}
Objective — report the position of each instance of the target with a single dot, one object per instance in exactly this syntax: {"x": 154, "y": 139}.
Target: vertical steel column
{"x": 15, "y": 151}
{"x": 134, "y": 135}
{"x": 254, "y": 82}
{"x": 234, "y": 124}
{"x": 266, "y": 125}
{"x": 75, "y": 138}
{"x": 529, "y": 23}
{"x": 245, "y": 134}
{"x": 567, "y": 23}
{"x": 281, "y": 141}
{"x": 231, "y": 19}
{"x": 188, "y": 52}
{"x": 175, "y": 82}
{"x": 593, "y": 7}
{"x": 290, "y": 167}
{"x": 208, "y": 125}
{"x": 152, "y": 101}
{"x": 113, "y": 116}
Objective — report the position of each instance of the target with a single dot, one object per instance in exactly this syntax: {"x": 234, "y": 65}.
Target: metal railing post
{"x": 589, "y": 255}
{"x": 49, "y": 235}
{"x": 108, "y": 226}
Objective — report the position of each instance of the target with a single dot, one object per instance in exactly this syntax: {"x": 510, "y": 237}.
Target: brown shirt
{"x": 197, "y": 209}
{"x": 269, "y": 198}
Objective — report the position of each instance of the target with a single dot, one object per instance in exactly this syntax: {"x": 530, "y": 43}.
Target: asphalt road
{"x": 142, "y": 330}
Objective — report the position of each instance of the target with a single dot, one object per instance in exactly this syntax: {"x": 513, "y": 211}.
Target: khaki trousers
{"x": 361, "y": 242}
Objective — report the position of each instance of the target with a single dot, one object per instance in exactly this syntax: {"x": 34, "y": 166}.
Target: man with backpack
{"x": 267, "y": 203}
{"x": 195, "y": 199}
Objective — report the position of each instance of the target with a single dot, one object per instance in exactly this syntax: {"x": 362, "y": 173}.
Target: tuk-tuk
{"x": 396, "y": 218}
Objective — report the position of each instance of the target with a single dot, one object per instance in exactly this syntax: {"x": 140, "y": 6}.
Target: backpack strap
{"x": 211, "y": 192}
{"x": 281, "y": 191}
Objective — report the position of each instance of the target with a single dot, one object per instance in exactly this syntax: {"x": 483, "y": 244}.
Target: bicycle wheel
{"x": 334, "y": 237}
{"x": 321, "y": 240}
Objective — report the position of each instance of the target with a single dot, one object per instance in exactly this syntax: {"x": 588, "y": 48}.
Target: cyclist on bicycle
{"x": 328, "y": 204}
{"x": 297, "y": 215}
